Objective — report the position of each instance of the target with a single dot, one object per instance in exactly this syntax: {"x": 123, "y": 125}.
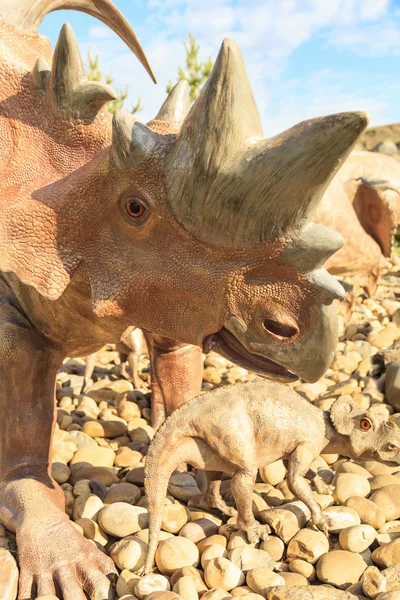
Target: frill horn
{"x": 311, "y": 248}
{"x": 70, "y": 94}
{"x": 132, "y": 141}
{"x": 241, "y": 189}
{"x": 177, "y": 104}
{"x": 41, "y": 74}
{"x": 27, "y": 15}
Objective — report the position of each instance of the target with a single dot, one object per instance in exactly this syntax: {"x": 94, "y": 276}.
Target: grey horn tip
{"x": 177, "y": 104}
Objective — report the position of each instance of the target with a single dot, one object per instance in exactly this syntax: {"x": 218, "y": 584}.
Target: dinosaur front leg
{"x": 299, "y": 463}
{"x": 53, "y": 555}
{"x": 176, "y": 373}
{"x": 242, "y": 487}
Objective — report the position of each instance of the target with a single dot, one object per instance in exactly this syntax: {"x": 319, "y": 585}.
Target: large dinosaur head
{"x": 197, "y": 228}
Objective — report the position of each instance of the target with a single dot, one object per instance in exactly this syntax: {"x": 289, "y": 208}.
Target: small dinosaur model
{"x": 194, "y": 228}
{"x": 131, "y": 347}
{"x": 248, "y": 426}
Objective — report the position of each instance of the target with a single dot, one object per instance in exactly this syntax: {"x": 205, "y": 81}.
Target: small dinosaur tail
{"x": 28, "y": 15}
{"x": 167, "y": 451}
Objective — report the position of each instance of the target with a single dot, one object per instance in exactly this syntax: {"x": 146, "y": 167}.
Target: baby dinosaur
{"x": 249, "y": 426}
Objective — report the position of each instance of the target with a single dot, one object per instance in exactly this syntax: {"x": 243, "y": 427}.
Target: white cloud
{"x": 268, "y": 33}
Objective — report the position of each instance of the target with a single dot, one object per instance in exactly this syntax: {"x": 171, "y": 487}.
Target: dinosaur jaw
{"x": 225, "y": 343}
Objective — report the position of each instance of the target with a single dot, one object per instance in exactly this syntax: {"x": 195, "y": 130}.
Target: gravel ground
{"x": 99, "y": 453}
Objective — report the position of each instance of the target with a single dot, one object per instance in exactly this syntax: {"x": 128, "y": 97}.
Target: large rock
{"x": 388, "y": 555}
{"x": 175, "y": 553}
{"x": 321, "y": 592}
{"x": 8, "y": 576}
{"x": 121, "y": 519}
{"x": 287, "y": 520}
{"x": 307, "y": 545}
{"x": 348, "y": 485}
{"x": 357, "y": 538}
{"x": 368, "y": 511}
{"x": 340, "y": 568}
{"x": 388, "y": 500}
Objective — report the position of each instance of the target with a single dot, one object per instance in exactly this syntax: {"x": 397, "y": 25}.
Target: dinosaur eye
{"x": 391, "y": 448}
{"x": 365, "y": 424}
{"x": 135, "y": 207}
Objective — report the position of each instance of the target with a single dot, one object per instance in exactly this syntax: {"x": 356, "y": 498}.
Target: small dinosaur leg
{"x": 214, "y": 497}
{"x": 176, "y": 371}
{"x": 89, "y": 368}
{"x": 242, "y": 486}
{"x": 299, "y": 463}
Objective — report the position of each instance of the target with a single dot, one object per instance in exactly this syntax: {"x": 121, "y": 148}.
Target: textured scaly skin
{"x": 243, "y": 428}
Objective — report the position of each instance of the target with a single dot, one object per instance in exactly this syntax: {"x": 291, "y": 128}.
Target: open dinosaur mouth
{"x": 225, "y": 343}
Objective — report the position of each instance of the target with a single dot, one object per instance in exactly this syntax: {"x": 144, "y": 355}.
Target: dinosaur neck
{"x": 336, "y": 443}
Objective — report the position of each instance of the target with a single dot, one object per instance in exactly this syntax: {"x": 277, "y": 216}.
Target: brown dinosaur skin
{"x": 77, "y": 271}
{"x": 363, "y": 204}
{"x": 249, "y": 426}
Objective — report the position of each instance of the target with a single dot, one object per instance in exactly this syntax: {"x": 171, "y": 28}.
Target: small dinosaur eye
{"x": 135, "y": 207}
{"x": 365, "y": 424}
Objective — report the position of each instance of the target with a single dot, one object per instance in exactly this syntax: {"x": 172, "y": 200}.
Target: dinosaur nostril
{"x": 280, "y": 329}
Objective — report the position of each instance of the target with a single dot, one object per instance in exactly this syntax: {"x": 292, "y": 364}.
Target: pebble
{"x": 348, "y": 485}
{"x": 175, "y": 516}
{"x": 95, "y": 456}
{"x": 387, "y": 555}
{"x": 357, "y": 538}
{"x": 273, "y": 473}
{"x": 294, "y": 579}
{"x": 388, "y": 500}
{"x": 259, "y": 580}
{"x": 121, "y": 519}
{"x": 104, "y": 429}
{"x": 274, "y": 546}
{"x": 122, "y": 492}
{"x": 61, "y": 472}
{"x": 211, "y": 552}
{"x": 222, "y": 573}
{"x": 302, "y": 567}
{"x": 342, "y": 517}
{"x": 175, "y": 553}
{"x": 368, "y": 511}
{"x": 392, "y": 384}
{"x": 151, "y": 583}
{"x": 187, "y": 588}
{"x": 129, "y": 553}
{"x": 340, "y": 568}
{"x": 199, "y": 530}
{"x": 247, "y": 558}
{"x": 307, "y": 545}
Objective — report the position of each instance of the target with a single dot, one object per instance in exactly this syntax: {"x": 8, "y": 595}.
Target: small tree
{"x": 95, "y": 74}
{"x": 195, "y": 72}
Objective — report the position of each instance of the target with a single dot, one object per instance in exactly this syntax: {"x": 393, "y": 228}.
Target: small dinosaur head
{"x": 370, "y": 435}
{"x": 194, "y": 226}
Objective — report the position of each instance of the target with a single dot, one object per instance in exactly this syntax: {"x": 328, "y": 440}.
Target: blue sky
{"x": 305, "y": 58}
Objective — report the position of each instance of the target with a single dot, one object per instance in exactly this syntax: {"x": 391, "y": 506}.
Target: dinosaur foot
{"x": 55, "y": 559}
{"x": 255, "y": 532}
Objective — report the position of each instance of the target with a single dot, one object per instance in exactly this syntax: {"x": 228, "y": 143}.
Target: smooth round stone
{"x": 211, "y": 552}
{"x": 164, "y": 596}
{"x": 187, "y": 588}
{"x": 8, "y": 575}
{"x": 307, "y": 545}
{"x": 127, "y": 457}
{"x": 388, "y": 499}
{"x": 209, "y": 541}
{"x": 368, "y": 511}
{"x": 143, "y": 534}
{"x": 121, "y": 519}
{"x": 122, "y": 492}
{"x": 259, "y": 580}
{"x": 182, "y": 486}
{"x": 175, "y": 553}
{"x": 342, "y": 517}
{"x": 129, "y": 553}
{"x": 140, "y": 431}
{"x": 105, "y": 475}
{"x": 104, "y": 429}
{"x": 242, "y": 590}
{"x": 294, "y": 579}
{"x": 95, "y": 456}
{"x": 380, "y": 481}
{"x": 274, "y": 546}
{"x": 126, "y": 583}
{"x": 222, "y": 573}
{"x": 239, "y": 538}
{"x": 302, "y": 567}
{"x": 216, "y": 594}
{"x": 357, "y": 538}
{"x": 247, "y": 558}
{"x": 348, "y": 485}
{"x": 175, "y": 516}
{"x": 152, "y": 582}
{"x": 340, "y": 568}
{"x": 87, "y": 506}
{"x": 199, "y": 530}
{"x": 192, "y": 573}
{"x": 81, "y": 439}
{"x": 273, "y": 473}
{"x": 92, "y": 531}
{"x": 387, "y": 555}
{"x": 61, "y": 473}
